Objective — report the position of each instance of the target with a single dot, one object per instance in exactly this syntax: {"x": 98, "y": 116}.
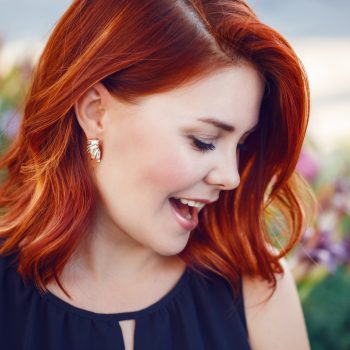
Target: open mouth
{"x": 185, "y": 215}
{"x": 184, "y": 210}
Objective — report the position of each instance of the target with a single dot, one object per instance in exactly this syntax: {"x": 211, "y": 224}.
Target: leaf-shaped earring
{"x": 93, "y": 148}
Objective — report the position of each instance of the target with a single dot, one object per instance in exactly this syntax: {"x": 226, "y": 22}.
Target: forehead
{"x": 232, "y": 95}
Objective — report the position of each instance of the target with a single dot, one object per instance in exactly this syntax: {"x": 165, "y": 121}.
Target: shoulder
{"x": 4, "y": 275}
{"x": 5, "y": 263}
{"x": 9, "y": 278}
{"x": 270, "y": 320}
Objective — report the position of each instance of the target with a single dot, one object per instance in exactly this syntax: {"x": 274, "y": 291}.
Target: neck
{"x": 107, "y": 255}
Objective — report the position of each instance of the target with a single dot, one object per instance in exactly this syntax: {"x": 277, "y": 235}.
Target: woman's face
{"x": 153, "y": 151}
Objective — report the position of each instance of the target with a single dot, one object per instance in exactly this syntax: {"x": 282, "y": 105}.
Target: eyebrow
{"x": 221, "y": 125}
{"x": 218, "y": 124}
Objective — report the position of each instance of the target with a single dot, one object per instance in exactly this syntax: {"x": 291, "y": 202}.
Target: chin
{"x": 171, "y": 249}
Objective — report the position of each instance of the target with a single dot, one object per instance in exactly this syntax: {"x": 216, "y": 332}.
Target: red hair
{"x": 135, "y": 49}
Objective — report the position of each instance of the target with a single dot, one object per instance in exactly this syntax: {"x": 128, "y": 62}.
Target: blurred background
{"x": 319, "y": 30}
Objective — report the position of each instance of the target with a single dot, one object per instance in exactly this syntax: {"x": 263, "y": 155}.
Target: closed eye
{"x": 204, "y": 147}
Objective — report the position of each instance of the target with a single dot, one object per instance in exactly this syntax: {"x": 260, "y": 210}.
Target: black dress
{"x": 198, "y": 313}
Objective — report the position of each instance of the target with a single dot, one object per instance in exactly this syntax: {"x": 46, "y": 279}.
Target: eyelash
{"x": 204, "y": 147}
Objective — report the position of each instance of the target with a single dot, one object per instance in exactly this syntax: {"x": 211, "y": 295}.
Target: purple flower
{"x": 327, "y": 252}
{"x": 9, "y": 123}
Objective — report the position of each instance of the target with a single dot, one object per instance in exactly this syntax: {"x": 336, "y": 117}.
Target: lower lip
{"x": 187, "y": 224}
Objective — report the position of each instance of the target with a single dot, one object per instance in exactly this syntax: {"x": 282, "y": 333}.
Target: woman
{"x": 157, "y": 137}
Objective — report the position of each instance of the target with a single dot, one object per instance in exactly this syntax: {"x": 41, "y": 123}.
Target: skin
{"x": 148, "y": 155}
{"x": 277, "y": 323}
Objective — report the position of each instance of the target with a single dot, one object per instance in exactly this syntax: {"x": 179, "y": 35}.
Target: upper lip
{"x": 200, "y": 200}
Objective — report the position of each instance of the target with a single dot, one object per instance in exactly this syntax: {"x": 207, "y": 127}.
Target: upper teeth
{"x": 191, "y": 203}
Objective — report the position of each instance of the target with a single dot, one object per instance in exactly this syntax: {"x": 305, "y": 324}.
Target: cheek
{"x": 170, "y": 165}
{"x": 150, "y": 159}
{"x": 173, "y": 170}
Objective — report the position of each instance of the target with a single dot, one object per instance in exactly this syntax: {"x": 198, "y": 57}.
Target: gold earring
{"x": 93, "y": 148}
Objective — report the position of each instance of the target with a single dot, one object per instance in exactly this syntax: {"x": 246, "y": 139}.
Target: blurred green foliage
{"x": 327, "y": 311}
{"x": 323, "y": 266}
{"x": 14, "y": 84}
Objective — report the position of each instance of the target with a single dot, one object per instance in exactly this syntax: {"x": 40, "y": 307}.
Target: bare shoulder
{"x": 276, "y": 323}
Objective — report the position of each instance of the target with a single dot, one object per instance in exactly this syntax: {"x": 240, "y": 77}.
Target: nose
{"x": 224, "y": 173}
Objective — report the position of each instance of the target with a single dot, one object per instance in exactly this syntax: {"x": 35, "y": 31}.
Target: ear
{"x": 90, "y": 110}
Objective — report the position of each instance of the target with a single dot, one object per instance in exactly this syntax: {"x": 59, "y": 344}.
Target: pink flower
{"x": 308, "y": 166}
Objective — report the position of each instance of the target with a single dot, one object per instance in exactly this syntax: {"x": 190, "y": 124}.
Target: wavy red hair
{"x": 135, "y": 49}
